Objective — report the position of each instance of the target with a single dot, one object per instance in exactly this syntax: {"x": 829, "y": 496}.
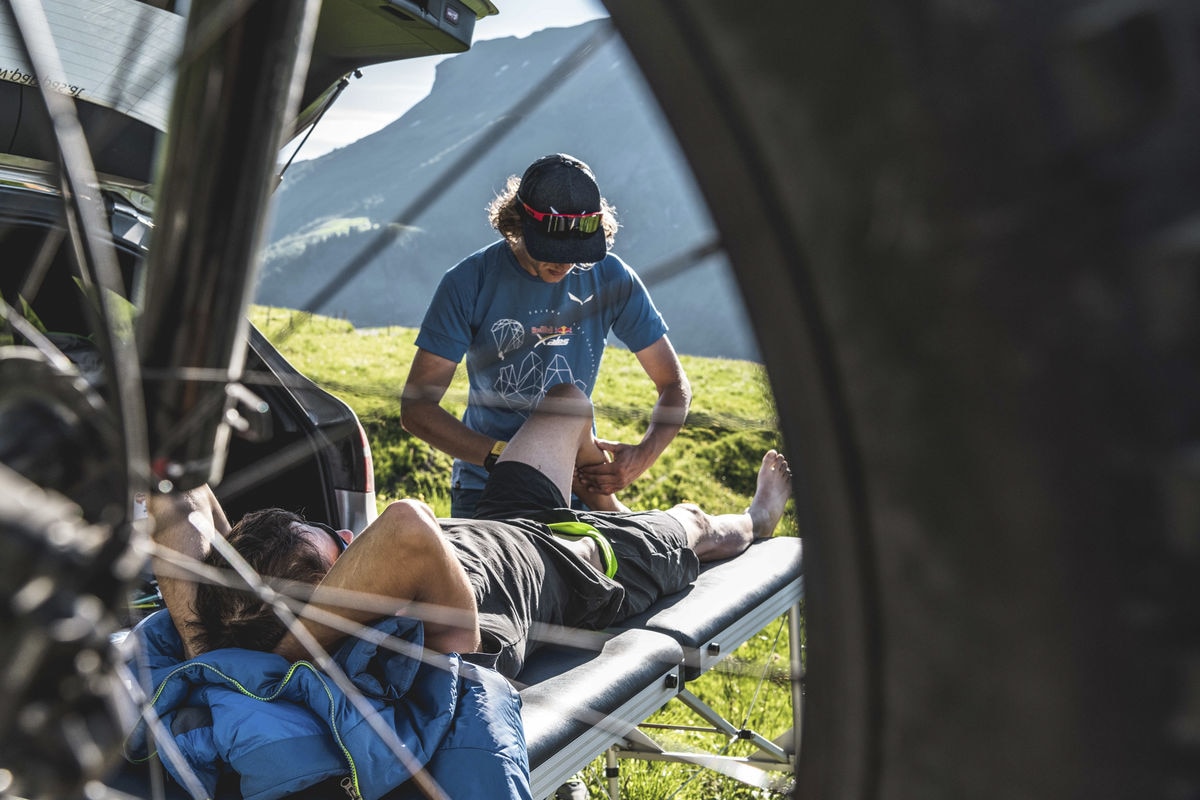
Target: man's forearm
{"x": 667, "y": 418}
{"x": 403, "y": 564}
{"x": 433, "y": 424}
{"x": 183, "y": 523}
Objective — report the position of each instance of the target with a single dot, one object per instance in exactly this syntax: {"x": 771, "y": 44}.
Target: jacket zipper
{"x": 348, "y": 787}
{"x": 349, "y": 784}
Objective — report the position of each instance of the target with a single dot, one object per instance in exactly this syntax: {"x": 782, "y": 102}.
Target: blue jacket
{"x": 283, "y": 727}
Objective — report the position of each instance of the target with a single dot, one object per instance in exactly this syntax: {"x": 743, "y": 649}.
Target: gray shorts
{"x": 653, "y": 557}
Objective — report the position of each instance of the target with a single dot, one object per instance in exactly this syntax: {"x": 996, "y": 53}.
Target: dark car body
{"x": 306, "y": 450}
{"x": 299, "y": 447}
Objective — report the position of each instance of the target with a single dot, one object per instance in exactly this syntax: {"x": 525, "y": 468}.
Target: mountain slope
{"x": 365, "y": 232}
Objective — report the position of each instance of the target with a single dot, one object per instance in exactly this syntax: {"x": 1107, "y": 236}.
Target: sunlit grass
{"x": 751, "y": 689}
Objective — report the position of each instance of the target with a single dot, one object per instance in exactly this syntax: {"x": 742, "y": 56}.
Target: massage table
{"x": 584, "y": 700}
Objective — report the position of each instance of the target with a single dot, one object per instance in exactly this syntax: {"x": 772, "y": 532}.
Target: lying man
{"x": 527, "y": 560}
{"x": 496, "y": 576}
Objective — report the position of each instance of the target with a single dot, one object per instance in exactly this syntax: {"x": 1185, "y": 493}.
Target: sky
{"x": 386, "y": 91}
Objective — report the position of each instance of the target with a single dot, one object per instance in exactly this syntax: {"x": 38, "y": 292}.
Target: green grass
{"x": 712, "y": 462}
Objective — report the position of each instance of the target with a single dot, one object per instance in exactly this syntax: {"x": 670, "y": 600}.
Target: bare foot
{"x": 771, "y": 495}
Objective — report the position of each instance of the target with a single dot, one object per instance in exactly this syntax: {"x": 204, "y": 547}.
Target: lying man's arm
{"x": 183, "y": 523}
{"x": 399, "y": 561}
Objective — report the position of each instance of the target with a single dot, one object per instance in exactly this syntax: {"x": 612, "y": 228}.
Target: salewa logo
{"x": 581, "y": 302}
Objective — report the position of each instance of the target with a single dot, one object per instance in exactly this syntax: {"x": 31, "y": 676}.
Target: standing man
{"x": 534, "y": 310}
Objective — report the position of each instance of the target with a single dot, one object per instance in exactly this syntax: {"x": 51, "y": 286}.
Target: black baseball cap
{"x": 561, "y": 218}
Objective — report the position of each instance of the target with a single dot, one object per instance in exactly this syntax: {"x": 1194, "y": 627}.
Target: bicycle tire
{"x": 961, "y": 234}
{"x": 76, "y": 445}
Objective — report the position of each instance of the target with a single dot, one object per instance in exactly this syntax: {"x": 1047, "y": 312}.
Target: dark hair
{"x": 504, "y": 214}
{"x": 272, "y": 545}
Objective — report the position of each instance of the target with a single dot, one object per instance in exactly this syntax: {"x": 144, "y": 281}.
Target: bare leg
{"x": 715, "y": 537}
{"x": 556, "y": 437}
{"x": 595, "y": 500}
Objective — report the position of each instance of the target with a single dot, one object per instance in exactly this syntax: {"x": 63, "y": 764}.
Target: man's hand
{"x": 625, "y": 464}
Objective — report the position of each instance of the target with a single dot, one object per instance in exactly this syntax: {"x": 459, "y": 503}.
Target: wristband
{"x": 490, "y": 460}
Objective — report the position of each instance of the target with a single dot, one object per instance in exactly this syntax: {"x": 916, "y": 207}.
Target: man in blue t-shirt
{"x": 534, "y": 310}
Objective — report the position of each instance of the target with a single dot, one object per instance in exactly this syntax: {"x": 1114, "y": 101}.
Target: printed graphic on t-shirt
{"x": 552, "y": 335}
{"x": 509, "y": 335}
{"x": 521, "y": 385}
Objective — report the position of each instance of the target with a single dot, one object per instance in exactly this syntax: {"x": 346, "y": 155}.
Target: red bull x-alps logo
{"x": 552, "y": 335}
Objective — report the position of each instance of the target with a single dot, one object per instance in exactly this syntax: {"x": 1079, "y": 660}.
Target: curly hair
{"x": 504, "y": 214}
{"x": 278, "y": 551}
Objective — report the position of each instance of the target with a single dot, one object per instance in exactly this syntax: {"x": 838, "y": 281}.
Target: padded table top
{"x": 729, "y": 602}
{"x": 578, "y": 702}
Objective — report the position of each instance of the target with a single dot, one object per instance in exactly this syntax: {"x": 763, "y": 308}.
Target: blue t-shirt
{"x": 521, "y": 335}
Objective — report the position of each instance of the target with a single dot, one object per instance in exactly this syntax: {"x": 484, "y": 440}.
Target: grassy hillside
{"x": 713, "y": 462}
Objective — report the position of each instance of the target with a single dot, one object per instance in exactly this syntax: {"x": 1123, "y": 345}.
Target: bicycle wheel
{"x": 155, "y": 418}
{"x": 75, "y": 444}
{"x": 973, "y": 286}
{"x": 965, "y": 234}
{"x": 73, "y": 450}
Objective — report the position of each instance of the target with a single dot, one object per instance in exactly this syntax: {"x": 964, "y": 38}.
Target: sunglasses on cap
{"x": 566, "y": 223}
{"x": 341, "y": 543}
